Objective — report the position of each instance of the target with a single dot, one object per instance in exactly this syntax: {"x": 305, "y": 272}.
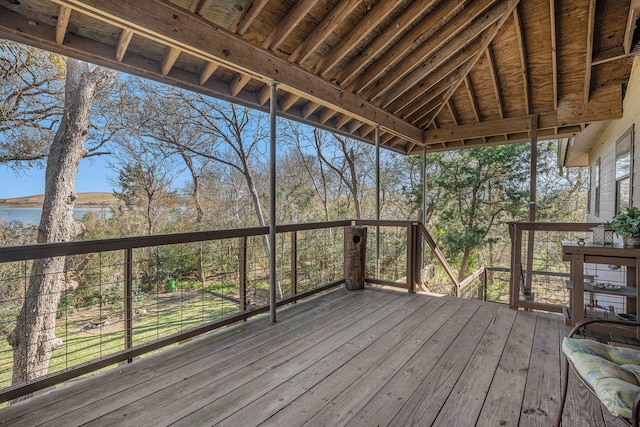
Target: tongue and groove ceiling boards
{"x": 439, "y": 74}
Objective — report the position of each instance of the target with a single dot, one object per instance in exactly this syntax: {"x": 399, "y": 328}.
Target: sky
{"x": 93, "y": 176}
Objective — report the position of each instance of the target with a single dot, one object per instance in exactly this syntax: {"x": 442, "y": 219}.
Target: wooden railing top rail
{"x": 470, "y": 278}
{"x": 554, "y": 226}
{"x": 42, "y": 250}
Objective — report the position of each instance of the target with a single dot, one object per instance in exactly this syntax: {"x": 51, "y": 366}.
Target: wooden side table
{"x": 617, "y": 254}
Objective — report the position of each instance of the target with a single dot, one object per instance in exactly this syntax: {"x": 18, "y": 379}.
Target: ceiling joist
{"x": 174, "y": 27}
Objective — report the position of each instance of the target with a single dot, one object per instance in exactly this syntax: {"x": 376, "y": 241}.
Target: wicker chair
{"x": 609, "y": 372}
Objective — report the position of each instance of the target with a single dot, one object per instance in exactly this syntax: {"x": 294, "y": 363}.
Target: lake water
{"x": 32, "y": 215}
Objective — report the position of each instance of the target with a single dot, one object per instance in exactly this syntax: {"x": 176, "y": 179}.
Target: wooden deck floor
{"x": 368, "y": 358}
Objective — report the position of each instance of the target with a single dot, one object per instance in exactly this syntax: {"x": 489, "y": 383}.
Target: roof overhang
{"x": 432, "y": 74}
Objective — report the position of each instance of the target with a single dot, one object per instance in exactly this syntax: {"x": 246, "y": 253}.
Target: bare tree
{"x": 33, "y": 339}
{"x": 30, "y": 105}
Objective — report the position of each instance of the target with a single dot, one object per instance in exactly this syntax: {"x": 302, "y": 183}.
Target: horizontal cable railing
{"x": 126, "y": 297}
{"x": 538, "y": 273}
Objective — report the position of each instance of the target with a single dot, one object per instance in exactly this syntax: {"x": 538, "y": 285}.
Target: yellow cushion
{"x": 613, "y": 372}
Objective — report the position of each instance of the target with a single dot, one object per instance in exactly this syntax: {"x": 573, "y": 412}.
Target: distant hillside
{"x": 84, "y": 199}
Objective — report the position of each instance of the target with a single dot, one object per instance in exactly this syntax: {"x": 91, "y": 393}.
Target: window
{"x": 624, "y": 170}
{"x": 596, "y": 180}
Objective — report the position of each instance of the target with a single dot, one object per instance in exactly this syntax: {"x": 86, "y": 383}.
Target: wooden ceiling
{"x": 439, "y": 74}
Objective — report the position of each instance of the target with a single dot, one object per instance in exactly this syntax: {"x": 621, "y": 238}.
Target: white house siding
{"x": 605, "y": 149}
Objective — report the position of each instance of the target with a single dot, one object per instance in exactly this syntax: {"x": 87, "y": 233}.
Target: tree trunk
{"x": 464, "y": 264}
{"x": 195, "y": 197}
{"x": 33, "y": 339}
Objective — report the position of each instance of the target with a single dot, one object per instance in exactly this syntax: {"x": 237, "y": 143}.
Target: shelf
{"x": 624, "y": 291}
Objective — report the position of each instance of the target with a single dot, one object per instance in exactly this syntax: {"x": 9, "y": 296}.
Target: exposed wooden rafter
{"x": 62, "y": 23}
{"x": 473, "y": 101}
{"x": 589, "y": 54}
{"x": 410, "y": 41}
{"x": 554, "y": 53}
{"x": 467, "y": 25}
{"x": 370, "y": 20}
{"x": 487, "y": 38}
{"x": 248, "y": 15}
{"x": 355, "y": 64}
{"x": 523, "y": 60}
{"x": 200, "y": 39}
{"x": 495, "y": 81}
{"x": 449, "y": 72}
{"x": 123, "y": 44}
{"x": 170, "y": 58}
{"x": 287, "y": 101}
{"x": 382, "y": 41}
{"x": 334, "y": 18}
{"x": 288, "y": 24}
{"x": 207, "y": 71}
{"x": 634, "y": 12}
{"x": 570, "y": 113}
{"x": 309, "y": 109}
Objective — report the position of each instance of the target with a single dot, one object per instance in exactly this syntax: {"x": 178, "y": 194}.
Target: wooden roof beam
{"x": 248, "y": 15}
{"x": 288, "y": 24}
{"x": 605, "y": 104}
{"x": 200, "y": 6}
{"x": 404, "y": 76}
{"x": 591, "y": 19}
{"x": 320, "y": 33}
{"x": 341, "y": 121}
{"x": 207, "y": 71}
{"x": 554, "y": 54}
{"x": 326, "y": 114}
{"x": 421, "y": 101}
{"x": 422, "y": 117}
{"x": 523, "y": 60}
{"x": 309, "y": 109}
{"x": 448, "y": 73}
{"x": 487, "y": 39}
{"x": 381, "y": 42}
{"x": 634, "y": 12}
{"x": 287, "y": 101}
{"x": 473, "y": 101}
{"x": 409, "y": 42}
{"x": 238, "y": 83}
{"x": 123, "y": 44}
{"x": 173, "y": 26}
{"x": 355, "y": 36}
{"x": 17, "y": 28}
{"x": 170, "y": 57}
{"x": 64, "y": 13}
{"x": 494, "y": 80}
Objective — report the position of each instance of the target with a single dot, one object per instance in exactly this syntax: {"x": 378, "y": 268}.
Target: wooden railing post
{"x": 242, "y": 279}
{"x": 128, "y": 300}
{"x": 415, "y": 258}
{"x": 516, "y": 265}
{"x": 294, "y": 263}
{"x": 355, "y": 250}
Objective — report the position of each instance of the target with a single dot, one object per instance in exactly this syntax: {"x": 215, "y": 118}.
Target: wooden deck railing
{"x": 538, "y": 274}
{"x": 310, "y": 260}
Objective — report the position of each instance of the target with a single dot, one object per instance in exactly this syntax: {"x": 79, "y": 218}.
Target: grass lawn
{"x": 155, "y": 316}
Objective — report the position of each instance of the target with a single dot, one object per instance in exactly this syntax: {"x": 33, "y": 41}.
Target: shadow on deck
{"x": 375, "y": 357}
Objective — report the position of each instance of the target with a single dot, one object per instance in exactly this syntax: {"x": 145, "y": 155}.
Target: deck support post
{"x": 355, "y": 249}
{"x": 272, "y": 200}
{"x": 128, "y": 300}
{"x": 377, "y": 141}
{"x": 532, "y": 205}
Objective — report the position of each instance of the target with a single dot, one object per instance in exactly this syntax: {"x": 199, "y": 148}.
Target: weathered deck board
{"x": 375, "y": 357}
{"x": 502, "y": 408}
